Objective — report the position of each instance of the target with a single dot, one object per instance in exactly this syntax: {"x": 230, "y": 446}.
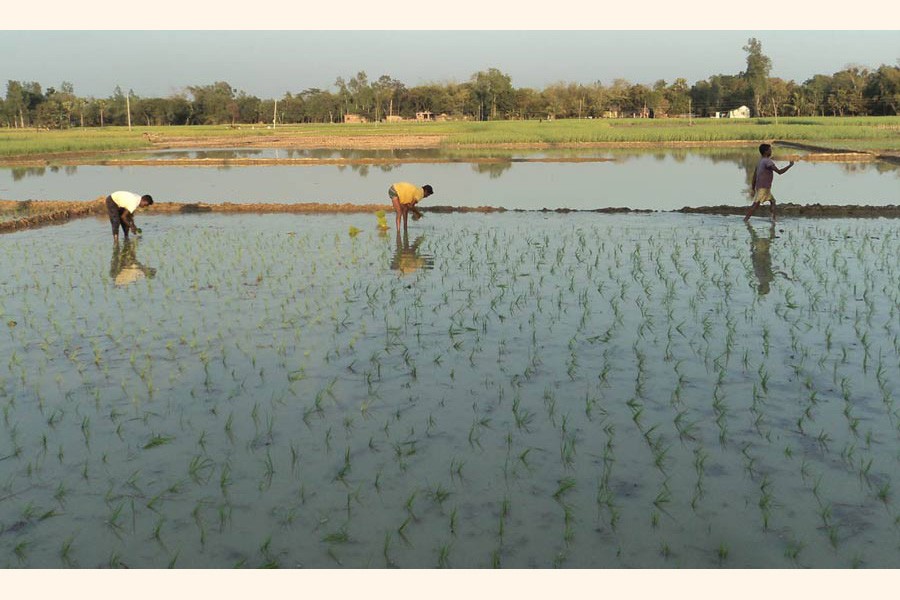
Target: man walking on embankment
{"x": 761, "y": 188}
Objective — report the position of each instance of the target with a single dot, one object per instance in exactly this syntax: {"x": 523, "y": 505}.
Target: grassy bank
{"x": 869, "y": 133}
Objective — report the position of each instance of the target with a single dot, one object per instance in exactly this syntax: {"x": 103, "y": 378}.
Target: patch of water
{"x": 541, "y": 390}
{"x": 637, "y": 180}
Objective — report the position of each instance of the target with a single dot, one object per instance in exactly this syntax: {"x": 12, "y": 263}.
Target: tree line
{"x": 487, "y": 95}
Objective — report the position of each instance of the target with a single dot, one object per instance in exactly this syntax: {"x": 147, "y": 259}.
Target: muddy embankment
{"x": 19, "y": 215}
{"x": 248, "y": 162}
{"x": 395, "y": 142}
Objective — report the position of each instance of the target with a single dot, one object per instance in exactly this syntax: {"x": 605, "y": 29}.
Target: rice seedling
{"x": 498, "y": 333}
{"x": 722, "y": 553}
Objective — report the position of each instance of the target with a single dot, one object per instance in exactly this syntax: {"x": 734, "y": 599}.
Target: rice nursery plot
{"x": 516, "y": 390}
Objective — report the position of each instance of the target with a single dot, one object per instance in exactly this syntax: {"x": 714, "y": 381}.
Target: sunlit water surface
{"x": 650, "y": 180}
{"x": 516, "y": 390}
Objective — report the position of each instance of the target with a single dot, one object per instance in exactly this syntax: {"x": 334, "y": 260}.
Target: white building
{"x": 741, "y": 112}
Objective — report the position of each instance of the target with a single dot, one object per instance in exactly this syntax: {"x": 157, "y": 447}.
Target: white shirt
{"x": 126, "y": 200}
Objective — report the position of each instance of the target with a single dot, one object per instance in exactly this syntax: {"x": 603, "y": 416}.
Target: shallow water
{"x": 654, "y": 180}
{"x": 528, "y": 391}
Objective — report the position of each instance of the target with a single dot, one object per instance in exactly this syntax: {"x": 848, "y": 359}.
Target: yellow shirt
{"x": 408, "y": 193}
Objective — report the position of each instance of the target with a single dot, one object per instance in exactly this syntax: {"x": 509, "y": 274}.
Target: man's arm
{"x": 128, "y": 219}
{"x": 784, "y": 170}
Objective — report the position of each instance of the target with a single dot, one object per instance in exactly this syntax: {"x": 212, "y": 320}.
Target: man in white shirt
{"x": 121, "y": 206}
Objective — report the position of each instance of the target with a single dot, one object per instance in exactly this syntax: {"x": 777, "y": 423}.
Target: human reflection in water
{"x": 407, "y": 258}
{"x": 124, "y": 268}
{"x": 762, "y": 258}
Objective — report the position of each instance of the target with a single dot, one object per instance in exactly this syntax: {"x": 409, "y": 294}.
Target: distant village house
{"x": 741, "y": 112}
{"x": 352, "y": 118}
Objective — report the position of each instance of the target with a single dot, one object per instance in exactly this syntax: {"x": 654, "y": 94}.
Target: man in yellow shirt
{"x": 404, "y": 197}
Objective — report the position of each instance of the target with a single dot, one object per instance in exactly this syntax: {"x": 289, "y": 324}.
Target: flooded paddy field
{"x": 585, "y": 179}
{"x": 512, "y": 390}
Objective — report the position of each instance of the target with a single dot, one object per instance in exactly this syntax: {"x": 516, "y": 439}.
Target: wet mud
{"x": 27, "y": 214}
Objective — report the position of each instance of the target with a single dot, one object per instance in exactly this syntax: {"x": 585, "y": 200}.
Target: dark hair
{"x": 764, "y": 147}
{"x": 147, "y": 198}
{"x": 428, "y": 189}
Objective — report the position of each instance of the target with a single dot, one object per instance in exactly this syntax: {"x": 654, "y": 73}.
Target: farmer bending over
{"x": 121, "y": 206}
{"x": 404, "y": 197}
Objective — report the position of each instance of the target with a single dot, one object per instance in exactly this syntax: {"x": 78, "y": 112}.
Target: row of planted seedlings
{"x": 573, "y": 392}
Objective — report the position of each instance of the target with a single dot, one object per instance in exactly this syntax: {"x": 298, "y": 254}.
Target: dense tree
{"x": 757, "y": 73}
{"x": 493, "y": 96}
{"x": 883, "y": 90}
{"x": 387, "y": 92}
{"x": 487, "y": 95}
{"x": 215, "y": 103}
{"x": 845, "y": 94}
{"x": 679, "y": 96}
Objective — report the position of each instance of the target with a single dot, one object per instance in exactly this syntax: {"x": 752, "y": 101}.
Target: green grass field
{"x": 869, "y": 133}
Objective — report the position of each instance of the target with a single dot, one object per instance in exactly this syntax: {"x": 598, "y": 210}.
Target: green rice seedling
{"x": 225, "y": 478}
{"x": 157, "y": 440}
{"x": 21, "y": 551}
{"x": 65, "y": 552}
{"x": 569, "y": 523}
{"x": 401, "y": 531}
{"x": 268, "y": 472}
{"x": 338, "y": 537}
{"x": 113, "y": 520}
{"x": 792, "y": 551}
{"x": 200, "y": 469}
{"x": 444, "y": 556}
{"x": 408, "y": 505}
{"x": 722, "y": 553}
{"x": 564, "y": 486}
{"x": 439, "y": 494}
{"x": 884, "y": 492}
{"x": 86, "y": 430}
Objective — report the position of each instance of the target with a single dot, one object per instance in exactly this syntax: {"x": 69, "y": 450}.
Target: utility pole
{"x": 775, "y": 108}
{"x": 275, "y": 114}
{"x": 128, "y": 108}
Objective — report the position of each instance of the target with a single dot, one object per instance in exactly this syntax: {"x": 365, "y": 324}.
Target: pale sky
{"x": 160, "y": 48}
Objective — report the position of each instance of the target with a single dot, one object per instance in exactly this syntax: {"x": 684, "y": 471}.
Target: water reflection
{"x": 760, "y": 250}
{"x": 294, "y": 153}
{"x": 20, "y": 173}
{"x": 124, "y": 267}
{"x": 634, "y": 179}
{"x": 494, "y": 169}
{"x": 363, "y": 170}
{"x": 407, "y": 258}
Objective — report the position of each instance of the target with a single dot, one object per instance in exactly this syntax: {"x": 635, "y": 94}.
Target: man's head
{"x": 428, "y": 190}
{"x": 146, "y": 200}
{"x": 765, "y": 149}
